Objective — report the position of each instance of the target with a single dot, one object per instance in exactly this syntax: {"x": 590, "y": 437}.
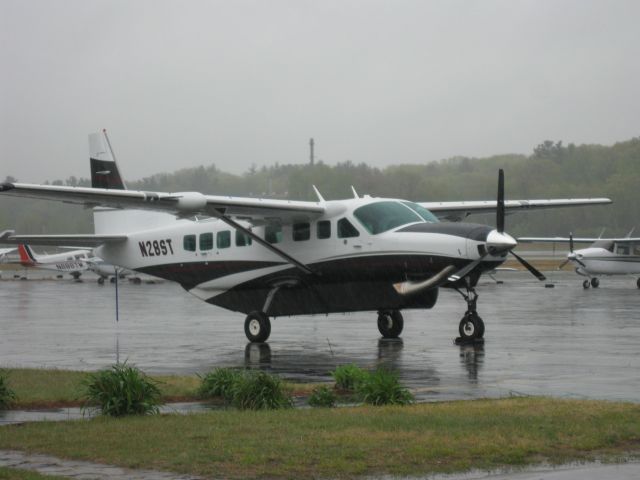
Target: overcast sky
{"x": 235, "y": 83}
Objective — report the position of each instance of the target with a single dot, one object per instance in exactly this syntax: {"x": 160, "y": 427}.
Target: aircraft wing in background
{"x": 456, "y": 211}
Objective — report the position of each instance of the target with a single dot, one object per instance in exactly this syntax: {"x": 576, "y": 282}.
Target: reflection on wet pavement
{"x": 563, "y": 341}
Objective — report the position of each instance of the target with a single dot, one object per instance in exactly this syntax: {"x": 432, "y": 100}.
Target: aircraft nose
{"x": 500, "y": 242}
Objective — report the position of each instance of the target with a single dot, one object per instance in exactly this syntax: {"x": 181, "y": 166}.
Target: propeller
{"x": 498, "y": 241}
{"x": 571, "y": 256}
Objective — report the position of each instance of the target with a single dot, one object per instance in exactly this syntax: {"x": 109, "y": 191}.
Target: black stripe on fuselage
{"x": 192, "y": 274}
{"x": 356, "y": 283}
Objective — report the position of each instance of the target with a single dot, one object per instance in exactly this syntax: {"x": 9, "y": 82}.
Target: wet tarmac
{"x": 562, "y": 341}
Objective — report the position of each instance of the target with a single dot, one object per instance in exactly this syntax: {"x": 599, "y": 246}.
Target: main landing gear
{"x": 257, "y": 327}
{"x": 471, "y": 326}
{"x": 595, "y": 283}
{"x": 390, "y": 323}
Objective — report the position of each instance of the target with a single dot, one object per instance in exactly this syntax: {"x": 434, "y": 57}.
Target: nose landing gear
{"x": 471, "y": 326}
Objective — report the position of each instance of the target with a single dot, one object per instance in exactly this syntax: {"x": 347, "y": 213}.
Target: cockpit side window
{"x": 346, "y": 229}
{"x": 379, "y": 217}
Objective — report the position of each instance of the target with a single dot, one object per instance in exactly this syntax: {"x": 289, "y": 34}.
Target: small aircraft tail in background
{"x": 27, "y": 258}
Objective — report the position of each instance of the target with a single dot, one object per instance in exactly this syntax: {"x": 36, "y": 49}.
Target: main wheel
{"x": 257, "y": 327}
{"x": 586, "y": 284}
{"x": 471, "y": 327}
{"x": 638, "y": 283}
{"x": 595, "y": 283}
{"x": 390, "y": 323}
{"x": 100, "y": 280}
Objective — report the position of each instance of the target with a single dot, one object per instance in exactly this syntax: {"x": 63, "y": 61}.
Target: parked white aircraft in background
{"x": 270, "y": 258}
{"x": 73, "y": 262}
{"x": 4, "y": 252}
{"x": 605, "y": 256}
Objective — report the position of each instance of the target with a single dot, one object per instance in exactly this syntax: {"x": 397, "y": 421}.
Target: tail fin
{"x": 105, "y": 174}
{"x": 104, "y": 170}
{"x": 27, "y": 257}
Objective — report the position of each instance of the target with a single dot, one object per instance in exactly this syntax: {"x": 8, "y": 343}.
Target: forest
{"x": 552, "y": 170}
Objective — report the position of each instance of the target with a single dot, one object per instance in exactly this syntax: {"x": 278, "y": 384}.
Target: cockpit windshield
{"x": 426, "y": 215}
{"x": 379, "y": 217}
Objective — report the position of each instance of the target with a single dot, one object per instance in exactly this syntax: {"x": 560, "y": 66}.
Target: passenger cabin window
{"x": 273, "y": 233}
{"x": 382, "y": 216}
{"x": 622, "y": 250}
{"x": 301, "y": 231}
{"x": 242, "y": 239}
{"x": 223, "y": 239}
{"x": 206, "y": 241}
{"x": 346, "y": 229}
{"x": 324, "y": 229}
{"x": 189, "y": 243}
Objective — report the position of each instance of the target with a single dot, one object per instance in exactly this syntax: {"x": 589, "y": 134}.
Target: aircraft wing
{"x": 80, "y": 240}
{"x": 456, "y": 211}
{"x": 183, "y": 204}
{"x": 577, "y": 240}
{"x": 4, "y": 251}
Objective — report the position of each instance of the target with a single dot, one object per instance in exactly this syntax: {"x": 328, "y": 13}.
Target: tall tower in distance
{"x": 311, "y": 159}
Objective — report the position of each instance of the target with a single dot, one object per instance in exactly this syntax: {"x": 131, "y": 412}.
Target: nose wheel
{"x": 471, "y": 326}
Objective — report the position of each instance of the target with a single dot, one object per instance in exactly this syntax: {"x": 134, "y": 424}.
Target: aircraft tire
{"x": 257, "y": 327}
{"x": 595, "y": 283}
{"x": 638, "y": 283}
{"x": 100, "y": 280}
{"x": 586, "y": 284}
{"x": 390, "y": 323}
{"x": 471, "y": 327}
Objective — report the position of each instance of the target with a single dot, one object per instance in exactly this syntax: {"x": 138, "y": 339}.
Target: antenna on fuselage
{"x": 318, "y": 194}
{"x": 355, "y": 194}
{"x": 630, "y": 232}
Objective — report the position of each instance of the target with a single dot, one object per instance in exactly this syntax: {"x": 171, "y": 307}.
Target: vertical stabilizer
{"x": 105, "y": 174}
{"x": 27, "y": 257}
{"x": 104, "y": 170}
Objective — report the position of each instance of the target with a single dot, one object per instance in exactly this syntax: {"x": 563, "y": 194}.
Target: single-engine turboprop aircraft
{"x": 605, "y": 256}
{"x": 269, "y": 258}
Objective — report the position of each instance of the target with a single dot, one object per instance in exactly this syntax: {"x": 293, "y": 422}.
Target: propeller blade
{"x": 500, "y": 203}
{"x": 571, "y": 242}
{"x": 562, "y": 265}
{"x": 528, "y": 266}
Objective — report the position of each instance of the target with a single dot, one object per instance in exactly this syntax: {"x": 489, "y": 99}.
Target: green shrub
{"x": 122, "y": 390}
{"x": 348, "y": 377}
{"x": 219, "y": 383}
{"x": 322, "y": 396}
{"x": 7, "y": 395}
{"x": 383, "y": 388}
{"x": 260, "y": 391}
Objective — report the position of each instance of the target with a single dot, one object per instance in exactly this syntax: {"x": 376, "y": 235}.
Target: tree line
{"x": 553, "y": 170}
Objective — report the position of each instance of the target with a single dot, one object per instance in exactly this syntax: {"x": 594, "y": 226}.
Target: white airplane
{"x": 73, "y": 262}
{"x": 4, "y": 252}
{"x": 269, "y": 258}
{"x": 605, "y": 256}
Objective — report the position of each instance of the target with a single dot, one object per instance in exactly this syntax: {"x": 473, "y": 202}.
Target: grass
{"x": 347, "y": 442}
{"x": 17, "y": 474}
{"x": 122, "y": 390}
{"x": 38, "y": 388}
{"x": 7, "y": 395}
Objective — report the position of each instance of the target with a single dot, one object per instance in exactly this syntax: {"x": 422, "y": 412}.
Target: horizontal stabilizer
{"x": 80, "y": 240}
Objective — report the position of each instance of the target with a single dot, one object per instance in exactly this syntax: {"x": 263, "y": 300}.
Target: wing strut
{"x": 267, "y": 245}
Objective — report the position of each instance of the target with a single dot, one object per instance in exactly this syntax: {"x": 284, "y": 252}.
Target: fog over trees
{"x": 553, "y": 170}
